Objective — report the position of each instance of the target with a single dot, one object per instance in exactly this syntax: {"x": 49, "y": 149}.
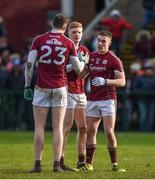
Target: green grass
{"x": 136, "y": 153}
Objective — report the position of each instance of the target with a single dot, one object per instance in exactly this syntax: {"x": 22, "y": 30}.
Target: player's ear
{"x": 110, "y": 43}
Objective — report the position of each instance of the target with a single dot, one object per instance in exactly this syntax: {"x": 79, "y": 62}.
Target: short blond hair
{"x": 75, "y": 24}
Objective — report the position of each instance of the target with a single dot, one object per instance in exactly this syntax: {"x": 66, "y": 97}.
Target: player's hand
{"x": 99, "y": 81}
{"x": 84, "y": 58}
{"x": 69, "y": 67}
{"x": 28, "y": 94}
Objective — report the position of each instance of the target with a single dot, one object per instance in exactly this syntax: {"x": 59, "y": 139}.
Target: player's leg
{"x": 109, "y": 123}
{"x": 93, "y": 120}
{"x": 92, "y": 127}
{"x": 58, "y": 114}
{"x": 40, "y": 116}
{"x": 109, "y": 118}
{"x": 68, "y": 122}
{"x": 59, "y": 103}
{"x": 40, "y": 112}
{"x": 80, "y": 119}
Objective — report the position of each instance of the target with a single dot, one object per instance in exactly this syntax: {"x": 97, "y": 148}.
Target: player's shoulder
{"x": 40, "y": 36}
{"x": 69, "y": 43}
{"x": 66, "y": 38}
{"x": 113, "y": 56}
{"x": 83, "y": 48}
{"x": 94, "y": 53}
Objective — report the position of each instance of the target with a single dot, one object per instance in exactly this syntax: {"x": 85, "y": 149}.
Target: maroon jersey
{"x": 53, "y": 50}
{"x": 103, "y": 65}
{"x": 75, "y": 83}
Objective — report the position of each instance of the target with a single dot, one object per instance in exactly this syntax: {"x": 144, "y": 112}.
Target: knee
{"x": 83, "y": 130}
{"x": 39, "y": 132}
{"x": 91, "y": 133}
{"x": 109, "y": 131}
{"x": 39, "y": 138}
{"x": 67, "y": 126}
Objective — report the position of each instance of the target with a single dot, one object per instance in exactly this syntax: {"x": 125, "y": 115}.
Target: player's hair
{"x": 75, "y": 24}
{"x": 105, "y": 33}
{"x": 60, "y": 21}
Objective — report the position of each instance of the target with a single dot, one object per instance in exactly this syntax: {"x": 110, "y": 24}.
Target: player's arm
{"x": 77, "y": 65}
{"x": 81, "y": 74}
{"x": 77, "y": 60}
{"x": 119, "y": 80}
{"x": 84, "y": 59}
{"x": 84, "y": 72}
{"x": 69, "y": 67}
{"x": 32, "y": 56}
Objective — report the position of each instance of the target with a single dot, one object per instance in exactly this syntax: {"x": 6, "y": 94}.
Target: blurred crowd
{"x": 12, "y": 80}
{"x": 140, "y": 88}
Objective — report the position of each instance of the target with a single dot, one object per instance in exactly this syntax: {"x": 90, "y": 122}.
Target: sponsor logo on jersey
{"x": 104, "y": 61}
{"x": 96, "y": 68}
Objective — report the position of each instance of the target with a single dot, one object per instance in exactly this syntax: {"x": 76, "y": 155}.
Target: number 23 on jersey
{"x": 60, "y": 53}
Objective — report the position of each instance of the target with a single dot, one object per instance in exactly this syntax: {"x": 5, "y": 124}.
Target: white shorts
{"x": 50, "y": 97}
{"x": 101, "y": 108}
{"x": 76, "y": 101}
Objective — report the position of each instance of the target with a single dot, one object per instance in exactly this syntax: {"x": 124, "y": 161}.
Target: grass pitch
{"x": 136, "y": 153}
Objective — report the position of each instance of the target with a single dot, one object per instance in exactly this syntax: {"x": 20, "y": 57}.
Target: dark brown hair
{"x": 105, "y": 33}
{"x": 60, "y": 21}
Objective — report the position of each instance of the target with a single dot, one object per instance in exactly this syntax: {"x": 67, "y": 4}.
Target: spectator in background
{"x": 5, "y": 58}
{"x": 94, "y": 38}
{"x": 3, "y": 34}
{"x": 26, "y": 49}
{"x": 153, "y": 44}
{"x": 146, "y": 102}
{"x": 15, "y": 83}
{"x": 135, "y": 70}
{"x": 4, "y": 69}
{"x": 149, "y": 13}
{"x": 90, "y": 39}
{"x": 142, "y": 47}
{"x": 3, "y": 77}
{"x": 116, "y": 24}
